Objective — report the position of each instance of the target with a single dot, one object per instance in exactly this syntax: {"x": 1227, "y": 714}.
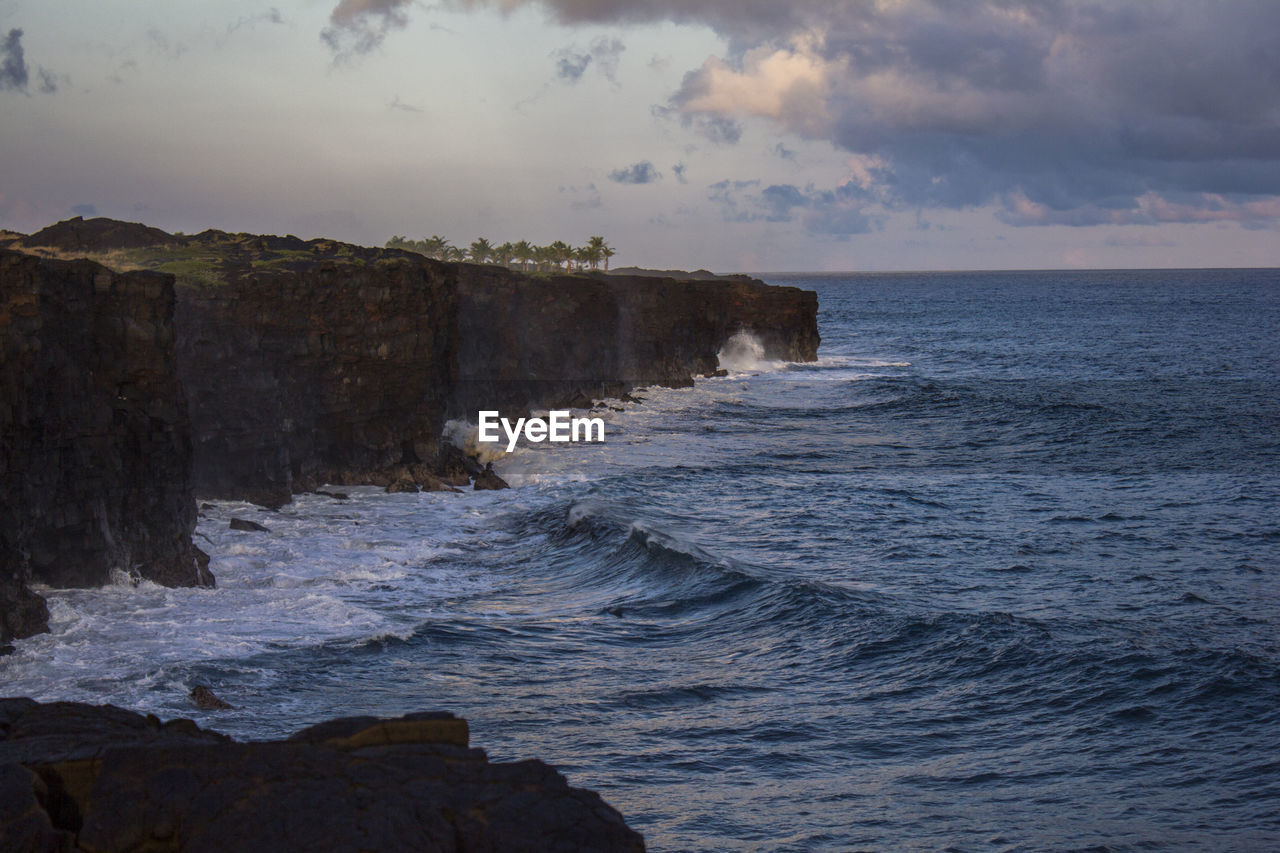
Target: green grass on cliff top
{"x": 203, "y": 264}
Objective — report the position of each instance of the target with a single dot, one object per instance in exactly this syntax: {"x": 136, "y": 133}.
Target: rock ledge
{"x": 78, "y": 777}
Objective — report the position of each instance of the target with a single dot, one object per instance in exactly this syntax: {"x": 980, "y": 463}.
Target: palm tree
{"x": 502, "y": 254}
{"x": 452, "y": 253}
{"x": 608, "y": 252}
{"x": 594, "y": 251}
{"x": 524, "y": 253}
{"x": 481, "y": 250}
{"x": 561, "y": 253}
{"x": 434, "y": 246}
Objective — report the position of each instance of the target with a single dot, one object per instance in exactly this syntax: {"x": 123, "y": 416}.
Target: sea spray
{"x": 744, "y": 353}
{"x": 463, "y": 435}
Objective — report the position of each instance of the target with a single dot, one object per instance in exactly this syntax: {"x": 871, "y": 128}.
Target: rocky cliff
{"x": 539, "y": 342}
{"x": 95, "y": 452}
{"x": 82, "y": 778}
{"x": 313, "y": 362}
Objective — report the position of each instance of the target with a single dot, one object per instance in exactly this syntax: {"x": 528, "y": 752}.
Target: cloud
{"x": 679, "y": 170}
{"x": 1148, "y": 209}
{"x": 638, "y": 173}
{"x": 271, "y": 16}
{"x": 360, "y": 26}
{"x": 717, "y": 129}
{"x": 397, "y": 104}
{"x": 13, "y": 63}
{"x": 15, "y": 74}
{"x": 584, "y": 198}
{"x": 572, "y": 63}
{"x": 570, "y": 66}
{"x": 845, "y": 210}
{"x": 1091, "y": 112}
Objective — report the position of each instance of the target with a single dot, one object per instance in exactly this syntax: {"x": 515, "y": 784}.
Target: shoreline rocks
{"x": 77, "y": 777}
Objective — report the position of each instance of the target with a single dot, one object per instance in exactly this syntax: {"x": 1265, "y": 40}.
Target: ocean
{"x": 1000, "y": 571}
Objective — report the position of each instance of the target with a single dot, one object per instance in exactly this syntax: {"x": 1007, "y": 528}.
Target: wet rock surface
{"x": 82, "y": 778}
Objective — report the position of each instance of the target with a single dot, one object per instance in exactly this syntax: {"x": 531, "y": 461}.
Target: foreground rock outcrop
{"x": 82, "y": 778}
{"x": 95, "y": 445}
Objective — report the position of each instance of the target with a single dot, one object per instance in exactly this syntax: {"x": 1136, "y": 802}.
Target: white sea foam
{"x": 346, "y": 572}
{"x": 463, "y": 434}
{"x": 744, "y": 353}
{"x": 327, "y": 571}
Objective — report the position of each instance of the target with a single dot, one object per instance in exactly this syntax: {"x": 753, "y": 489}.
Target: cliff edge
{"x": 95, "y": 442}
{"x": 316, "y": 361}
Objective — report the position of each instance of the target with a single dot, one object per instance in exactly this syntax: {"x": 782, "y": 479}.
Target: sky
{"x": 733, "y": 135}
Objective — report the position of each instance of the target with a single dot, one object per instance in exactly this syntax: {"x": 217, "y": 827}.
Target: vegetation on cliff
{"x": 558, "y": 255}
{"x": 207, "y": 259}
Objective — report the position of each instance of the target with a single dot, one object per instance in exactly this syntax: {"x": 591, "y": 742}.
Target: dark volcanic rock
{"x": 531, "y": 342}
{"x": 247, "y": 526}
{"x": 488, "y": 481}
{"x": 307, "y": 362}
{"x": 207, "y": 700}
{"x": 94, "y": 436}
{"x": 324, "y": 369}
{"x": 22, "y": 612}
{"x": 98, "y": 235}
{"x": 74, "y": 777}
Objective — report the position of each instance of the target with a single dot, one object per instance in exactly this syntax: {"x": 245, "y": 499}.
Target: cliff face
{"x": 314, "y": 361}
{"x": 343, "y": 368}
{"x": 529, "y": 342}
{"x": 77, "y": 777}
{"x": 324, "y": 370}
{"x": 94, "y": 435}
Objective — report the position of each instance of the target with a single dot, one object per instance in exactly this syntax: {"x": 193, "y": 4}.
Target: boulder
{"x": 207, "y": 700}
{"x": 489, "y": 481}
{"x": 82, "y": 778}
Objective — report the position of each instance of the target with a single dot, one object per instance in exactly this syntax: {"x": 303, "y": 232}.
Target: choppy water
{"x": 1000, "y": 571}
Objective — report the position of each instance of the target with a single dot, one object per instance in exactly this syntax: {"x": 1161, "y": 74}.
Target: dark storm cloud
{"x": 637, "y": 173}
{"x": 359, "y": 26}
{"x": 13, "y": 63}
{"x": 1054, "y": 111}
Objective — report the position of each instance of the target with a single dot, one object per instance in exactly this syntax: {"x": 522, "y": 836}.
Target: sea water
{"x": 1001, "y": 570}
